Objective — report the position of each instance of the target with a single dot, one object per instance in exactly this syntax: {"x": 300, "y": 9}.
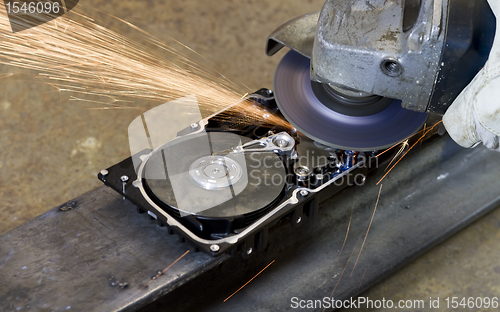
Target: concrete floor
{"x": 53, "y": 148}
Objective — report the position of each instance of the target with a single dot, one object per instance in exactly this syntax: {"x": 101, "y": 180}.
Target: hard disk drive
{"x": 223, "y": 181}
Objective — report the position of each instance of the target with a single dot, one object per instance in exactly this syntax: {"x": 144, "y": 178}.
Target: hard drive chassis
{"x": 300, "y": 199}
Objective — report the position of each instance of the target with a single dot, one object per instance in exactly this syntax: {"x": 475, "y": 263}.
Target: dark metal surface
{"x": 64, "y": 258}
{"x": 309, "y": 114}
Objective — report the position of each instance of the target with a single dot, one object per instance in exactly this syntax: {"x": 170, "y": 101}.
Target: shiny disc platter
{"x": 194, "y": 175}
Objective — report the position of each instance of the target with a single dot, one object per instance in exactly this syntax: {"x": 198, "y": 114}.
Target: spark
{"x": 6, "y": 75}
{"x": 411, "y": 147}
{"x": 388, "y": 149}
{"x": 425, "y": 126}
{"x": 349, "y": 259}
{"x": 163, "y": 272}
{"x": 345, "y": 267}
{"x": 369, "y": 226}
{"x": 250, "y": 280}
{"x": 73, "y": 98}
{"x": 347, "y": 233}
{"x": 64, "y": 6}
{"x": 406, "y": 140}
{"x": 247, "y": 113}
{"x": 76, "y": 55}
{"x": 404, "y": 145}
{"x": 340, "y": 253}
{"x": 360, "y": 282}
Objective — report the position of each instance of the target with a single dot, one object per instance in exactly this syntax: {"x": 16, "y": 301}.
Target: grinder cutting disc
{"x": 343, "y": 122}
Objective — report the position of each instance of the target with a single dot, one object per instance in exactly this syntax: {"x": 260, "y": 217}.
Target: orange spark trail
{"x": 400, "y": 142}
{"x": 348, "y": 260}
{"x": 413, "y": 145}
{"x": 79, "y": 56}
{"x": 6, "y": 75}
{"x": 345, "y": 267}
{"x": 250, "y": 280}
{"x": 347, "y": 233}
{"x": 388, "y": 149}
{"x": 361, "y": 282}
{"x": 425, "y": 126}
{"x": 163, "y": 272}
{"x": 401, "y": 149}
{"x": 366, "y": 236}
{"x": 159, "y": 44}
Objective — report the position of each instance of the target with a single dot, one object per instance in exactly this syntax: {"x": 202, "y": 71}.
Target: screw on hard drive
{"x": 124, "y": 180}
{"x": 214, "y": 248}
{"x": 194, "y": 126}
{"x": 304, "y": 193}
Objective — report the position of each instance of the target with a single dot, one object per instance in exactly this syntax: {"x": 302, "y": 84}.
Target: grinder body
{"x": 422, "y": 52}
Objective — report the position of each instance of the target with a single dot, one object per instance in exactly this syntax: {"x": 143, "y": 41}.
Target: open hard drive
{"x": 225, "y": 180}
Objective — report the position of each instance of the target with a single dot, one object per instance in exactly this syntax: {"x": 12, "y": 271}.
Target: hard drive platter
{"x": 201, "y": 181}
